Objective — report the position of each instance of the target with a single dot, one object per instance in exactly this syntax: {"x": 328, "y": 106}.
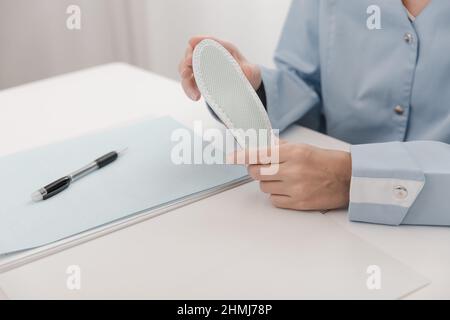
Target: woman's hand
{"x": 251, "y": 71}
{"x": 308, "y": 178}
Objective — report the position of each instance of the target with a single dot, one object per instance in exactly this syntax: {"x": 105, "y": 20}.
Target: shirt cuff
{"x": 385, "y": 183}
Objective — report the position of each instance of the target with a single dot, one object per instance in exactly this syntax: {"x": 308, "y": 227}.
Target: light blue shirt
{"x": 376, "y": 89}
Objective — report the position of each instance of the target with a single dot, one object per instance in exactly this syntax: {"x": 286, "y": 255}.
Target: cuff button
{"x": 400, "y": 192}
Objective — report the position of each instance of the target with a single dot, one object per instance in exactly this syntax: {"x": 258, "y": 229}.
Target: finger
{"x": 187, "y": 73}
{"x": 197, "y": 39}
{"x": 188, "y": 60}
{"x": 181, "y": 66}
{"x": 257, "y": 156}
{"x": 185, "y": 63}
{"x": 273, "y": 187}
{"x": 267, "y": 172}
{"x": 190, "y": 88}
{"x": 189, "y": 51}
{"x": 281, "y": 201}
{"x": 247, "y": 69}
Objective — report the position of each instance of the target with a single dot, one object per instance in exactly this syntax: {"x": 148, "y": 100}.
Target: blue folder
{"x": 143, "y": 178}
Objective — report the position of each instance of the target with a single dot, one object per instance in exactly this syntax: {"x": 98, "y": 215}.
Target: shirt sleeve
{"x": 401, "y": 183}
{"x": 293, "y": 87}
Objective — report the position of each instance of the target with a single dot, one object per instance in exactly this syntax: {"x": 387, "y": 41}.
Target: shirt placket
{"x": 401, "y": 110}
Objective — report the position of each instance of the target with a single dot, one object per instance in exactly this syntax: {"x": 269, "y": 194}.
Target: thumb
{"x": 255, "y": 156}
{"x": 252, "y": 74}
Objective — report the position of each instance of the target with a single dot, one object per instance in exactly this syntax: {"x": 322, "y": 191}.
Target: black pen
{"x": 62, "y": 184}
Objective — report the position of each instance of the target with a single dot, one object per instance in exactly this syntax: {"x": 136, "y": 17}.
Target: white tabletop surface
{"x": 41, "y": 108}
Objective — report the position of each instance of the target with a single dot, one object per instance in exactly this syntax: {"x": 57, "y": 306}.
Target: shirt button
{"x": 400, "y": 192}
{"x": 408, "y": 38}
{"x": 399, "y": 110}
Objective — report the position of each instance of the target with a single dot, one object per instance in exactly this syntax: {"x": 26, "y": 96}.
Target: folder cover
{"x": 143, "y": 178}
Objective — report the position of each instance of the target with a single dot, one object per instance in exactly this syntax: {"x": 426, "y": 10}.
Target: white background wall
{"x": 153, "y": 34}
{"x": 253, "y": 25}
{"x": 35, "y": 42}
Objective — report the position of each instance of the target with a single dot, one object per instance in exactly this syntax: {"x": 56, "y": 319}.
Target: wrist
{"x": 345, "y": 175}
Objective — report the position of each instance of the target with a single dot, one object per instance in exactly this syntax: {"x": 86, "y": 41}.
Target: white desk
{"x": 40, "y": 106}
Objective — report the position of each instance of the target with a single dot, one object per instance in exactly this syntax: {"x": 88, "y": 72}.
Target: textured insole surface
{"x": 226, "y": 89}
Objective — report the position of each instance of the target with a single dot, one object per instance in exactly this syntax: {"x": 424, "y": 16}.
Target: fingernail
{"x": 195, "y": 96}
